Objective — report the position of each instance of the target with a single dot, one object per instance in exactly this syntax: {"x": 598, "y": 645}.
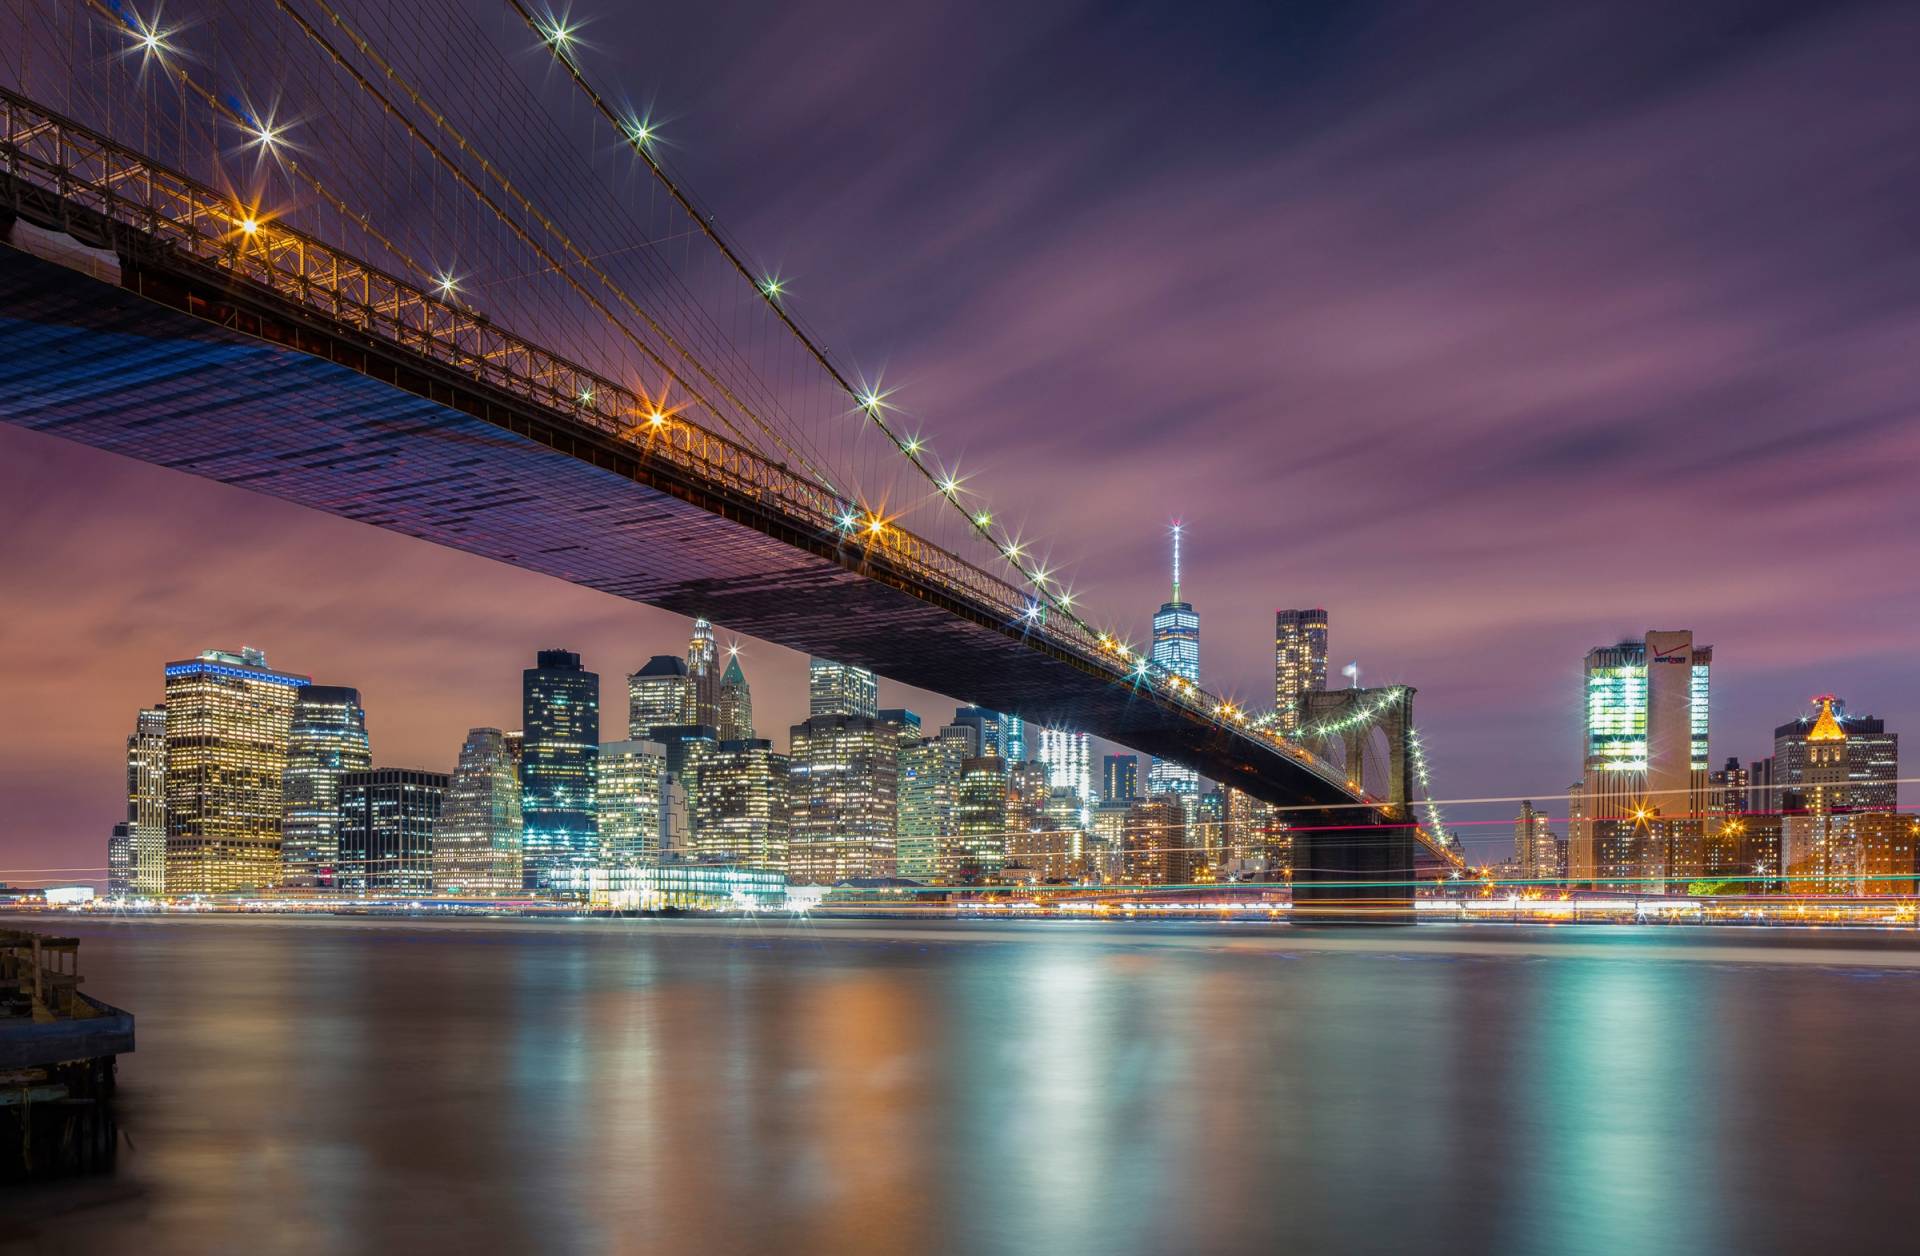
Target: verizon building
{"x": 1643, "y": 790}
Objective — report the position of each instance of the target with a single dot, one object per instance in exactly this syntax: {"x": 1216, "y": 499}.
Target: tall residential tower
{"x": 1299, "y": 660}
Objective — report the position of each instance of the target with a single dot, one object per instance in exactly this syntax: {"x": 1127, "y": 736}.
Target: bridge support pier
{"x": 1353, "y": 868}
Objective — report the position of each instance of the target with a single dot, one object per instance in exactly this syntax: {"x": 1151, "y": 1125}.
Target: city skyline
{"x": 93, "y": 545}
{"x": 842, "y": 692}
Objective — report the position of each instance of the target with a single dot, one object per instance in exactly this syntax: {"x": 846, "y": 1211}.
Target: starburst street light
{"x": 982, "y": 519}
{"x": 446, "y": 283}
{"x": 773, "y": 287}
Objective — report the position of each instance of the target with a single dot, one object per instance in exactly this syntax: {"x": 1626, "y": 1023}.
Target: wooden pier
{"x": 57, "y": 1054}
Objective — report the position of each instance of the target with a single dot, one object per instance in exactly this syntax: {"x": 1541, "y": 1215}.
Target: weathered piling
{"x": 58, "y": 1049}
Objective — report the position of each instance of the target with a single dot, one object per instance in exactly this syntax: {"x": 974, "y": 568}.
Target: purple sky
{"x": 1500, "y": 331}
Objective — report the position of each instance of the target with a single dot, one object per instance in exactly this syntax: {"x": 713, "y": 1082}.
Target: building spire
{"x": 1176, "y": 560}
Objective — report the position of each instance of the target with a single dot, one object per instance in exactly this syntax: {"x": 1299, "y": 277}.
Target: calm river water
{"x": 857, "y": 1087}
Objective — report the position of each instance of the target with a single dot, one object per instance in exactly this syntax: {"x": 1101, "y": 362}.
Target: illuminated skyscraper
{"x": 1299, "y": 660}
{"x": 147, "y": 803}
{"x": 989, "y": 731}
{"x": 741, "y": 814}
{"x": 630, "y": 802}
{"x": 1822, "y": 845}
{"x": 560, "y": 710}
{"x": 658, "y": 696}
{"x": 904, "y": 723}
{"x": 1068, "y": 757}
{"x": 929, "y": 792}
{"x": 843, "y": 792}
{"x": 1156, "y": 842}
{"x": 979, "y": 843}
{"x": 1120, "y": 778}
{"x": 228, "y": 718}
{"x": 736, "y": 702}
{"x": 328, "y": 740}
{"x": 1873, "y": 758}
{"x": 120, "y": 861}
{"x": 703, "y": 677}
{"x": 1536, "y": 849}
{"x": 387, "y": 822}
{"x": 1176, "y": 652}
{"x": 476, "y": 845}
{"x": 841, "y": 689}
{"x": 1644, "y": 794}
{"x": 1016, "y": 736}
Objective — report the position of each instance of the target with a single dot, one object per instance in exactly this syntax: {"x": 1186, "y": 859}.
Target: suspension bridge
{"x": 387, "y": 283}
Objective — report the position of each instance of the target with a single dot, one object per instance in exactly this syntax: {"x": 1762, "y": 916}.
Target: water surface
{"x": 856, "y": 1087}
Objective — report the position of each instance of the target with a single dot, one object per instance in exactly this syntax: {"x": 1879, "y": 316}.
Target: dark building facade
{"x": 387, "y": 822}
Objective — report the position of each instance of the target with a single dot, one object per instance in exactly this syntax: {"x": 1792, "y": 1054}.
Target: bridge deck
{"x": 527, "y": 488}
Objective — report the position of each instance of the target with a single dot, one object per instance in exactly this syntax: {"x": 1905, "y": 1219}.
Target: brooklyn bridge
{"x": 403, "y": 294}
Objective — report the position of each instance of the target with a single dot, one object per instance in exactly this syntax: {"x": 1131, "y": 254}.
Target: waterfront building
{"x": 1054, "y": 848}
{"x": 1068, "y": 757}
{"x": 989, "y": 731}
{"x": 1109, "y": 839}
{"x": 228, "y": 718}
{"x": 687, "y": 886}
{"x": 328, "y": 739}
{"x": 1536, "y": 848}
{"x": 658, "y": 695}
{"x": 978, "y": 846}
{"x": 929, "y": 790}
{"x": 843, "y": 780}
{"x": 560, "y": 717}
{"x": 1176, "y": 652}
{"x": 387, "y": 822}
{"x": 1887, "y": 848}
{"x": 477, "y": 841}
{"x": 841, "y": 689}
{"x": 741, "y": 813}
{"x": 1646, "y": 758}
{"x": 1299, "y": 661}
{"x": 120, "y": 861}
{"x": 630, "y": 802}
{"x": 1155, "y": 842}
{"x": 1258, "y": 845}
{"x": 1120, "y": 778}
{"x": 736, "y": 702}
{"x": 147, "y": 802}
{"x": 1820, "y": 843}
{"x": 1872, "y": 757}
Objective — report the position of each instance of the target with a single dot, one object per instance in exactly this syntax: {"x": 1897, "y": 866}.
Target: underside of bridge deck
{"x": 189, "y": 370}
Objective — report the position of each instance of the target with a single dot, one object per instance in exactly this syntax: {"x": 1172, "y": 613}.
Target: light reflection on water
{"x": 860, "y": 1087}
